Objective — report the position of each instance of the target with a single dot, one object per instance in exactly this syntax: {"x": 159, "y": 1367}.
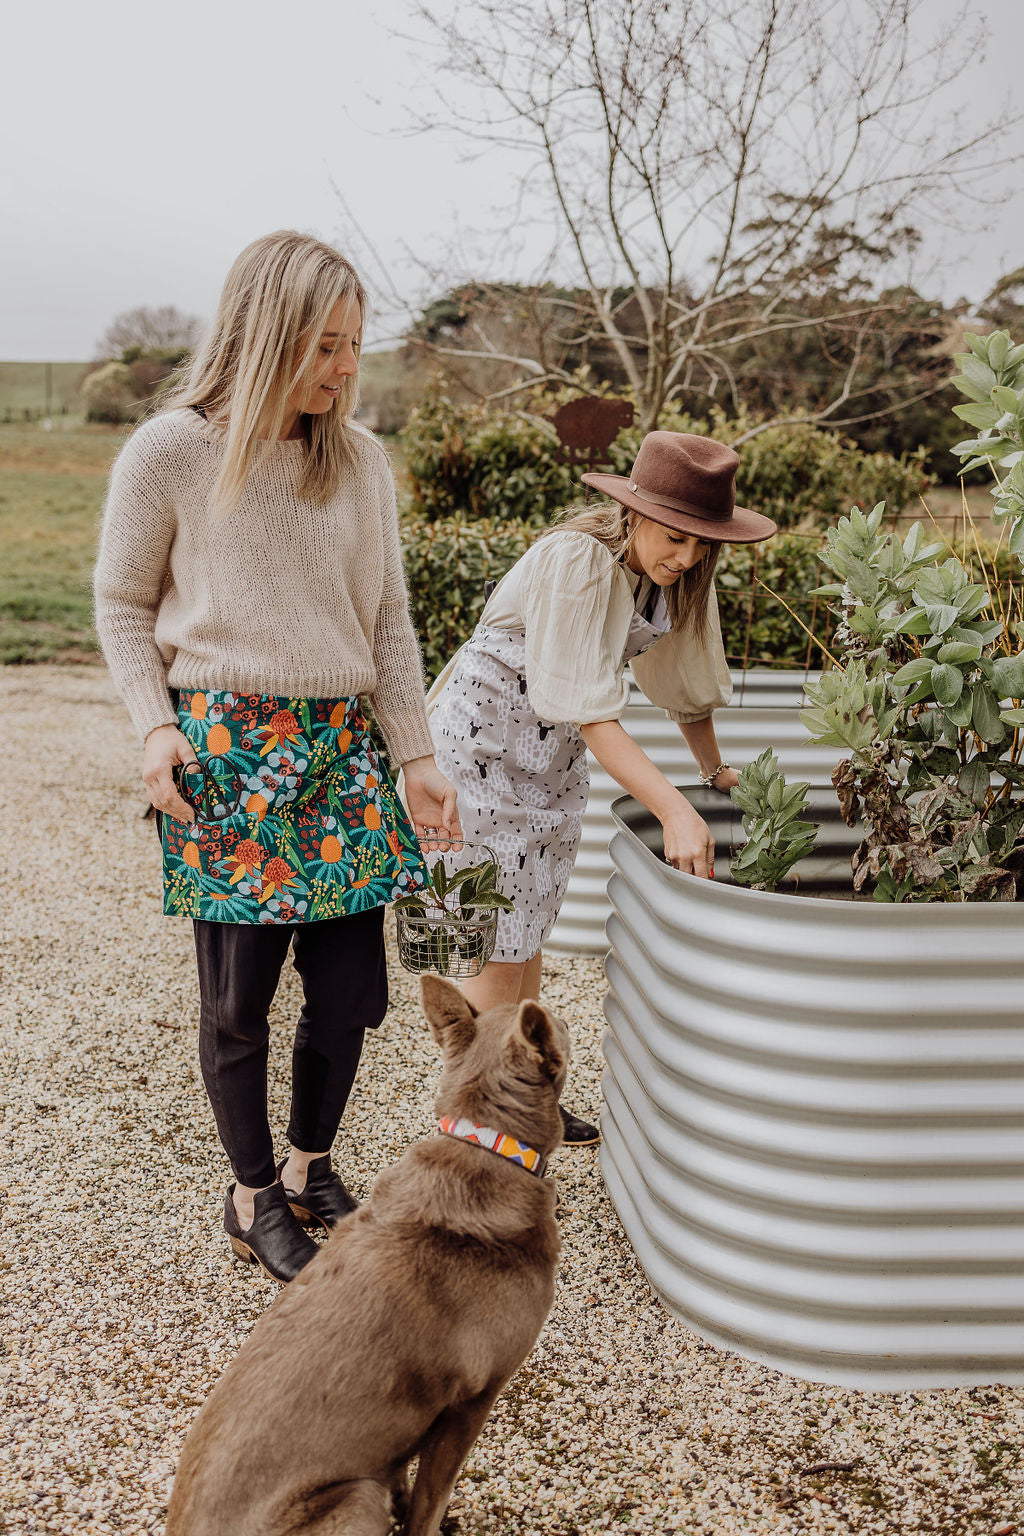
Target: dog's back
{"x": 396, "y": 1339}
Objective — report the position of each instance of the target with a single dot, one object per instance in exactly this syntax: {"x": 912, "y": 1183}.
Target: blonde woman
{"x": 249, "y": 590}
{"x": 541, "y": 681}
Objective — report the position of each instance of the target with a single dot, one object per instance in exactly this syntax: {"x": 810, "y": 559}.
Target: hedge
{"x": 447, "y": 562}
{"x": 474, "y": 462}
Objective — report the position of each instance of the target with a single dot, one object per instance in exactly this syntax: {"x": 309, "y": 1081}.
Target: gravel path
{"x": 121, "y": 1306}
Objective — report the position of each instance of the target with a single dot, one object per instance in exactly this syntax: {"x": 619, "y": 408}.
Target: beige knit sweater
{"x": 282, "y": 596}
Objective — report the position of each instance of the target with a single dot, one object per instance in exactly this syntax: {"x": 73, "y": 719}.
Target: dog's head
{"x": 504, "y": 1068}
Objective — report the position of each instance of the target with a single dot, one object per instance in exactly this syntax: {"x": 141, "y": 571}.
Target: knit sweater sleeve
{"x": 398, "y": 696}
{"x": 138, "y": 528}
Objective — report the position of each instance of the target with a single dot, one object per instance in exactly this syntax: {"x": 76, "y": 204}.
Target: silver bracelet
{"x": 708, "y": 779}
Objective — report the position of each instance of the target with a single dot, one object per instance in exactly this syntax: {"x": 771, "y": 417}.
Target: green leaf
{"x": 1012, "y": 716}
{"x": 920, "y": 691}
{"x": 986, "y": 630}
{"x": 488, "y": 901}
{"x": 1008, "y": 677}
{"x": 947, "y": 684}
{"x": 983, "y": 416}
{"x": 439, "y": 879}
{"x": 913, "y": 622}
{"x": 460, "y": 878}
{"x": 1011, "y": 825}
{"x": 941, "y": 761}
{"x": 998, "y": 350}
{"x": 979, "y": 372}
{"x": 914, "y": 672}
{"x": 971, "y": 602}
{"x": 942, "y": 617}
{"x": 1006, "y": 399}
{"x": 959, "y": 651}
{"x": 977, "y": 344}
{"x": 973, "y": 781}
{"x": 967, "y": 387}
{"x": 930, "y": 587}
{"x": 985, "y": 714}
{"x": 959, "y": 714}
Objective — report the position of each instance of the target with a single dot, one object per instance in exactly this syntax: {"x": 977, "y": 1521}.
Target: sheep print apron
{"x": 523, "y": 783}
{"x": 297, "y": 818}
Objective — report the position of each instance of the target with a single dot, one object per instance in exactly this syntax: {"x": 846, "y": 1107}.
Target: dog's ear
{"x": 452, "y": 1018}
{"x": 534, "y": 1026}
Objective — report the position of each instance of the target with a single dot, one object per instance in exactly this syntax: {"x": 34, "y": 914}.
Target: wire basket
{"x": 452, "y": 946}
{"x": 451, "y": 943}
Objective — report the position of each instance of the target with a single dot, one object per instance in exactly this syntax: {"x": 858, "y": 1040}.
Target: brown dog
{"x": 395, "y": 1341}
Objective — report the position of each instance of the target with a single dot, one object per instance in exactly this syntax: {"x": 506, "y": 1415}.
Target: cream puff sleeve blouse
{"x": 576, "y": 602}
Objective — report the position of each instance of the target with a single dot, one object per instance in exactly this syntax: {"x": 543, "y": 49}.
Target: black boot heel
{"x": 243, "y": 1254}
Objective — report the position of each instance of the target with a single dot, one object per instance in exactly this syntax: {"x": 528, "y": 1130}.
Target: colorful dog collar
{"x": 494, "y": 1141}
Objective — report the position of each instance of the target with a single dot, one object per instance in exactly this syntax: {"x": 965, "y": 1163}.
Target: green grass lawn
{"x": 51, "y": 495}
{"x": 23, "y": 387}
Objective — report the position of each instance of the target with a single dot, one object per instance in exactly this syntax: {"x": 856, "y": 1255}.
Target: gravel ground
{"x": 121, "y": 1304}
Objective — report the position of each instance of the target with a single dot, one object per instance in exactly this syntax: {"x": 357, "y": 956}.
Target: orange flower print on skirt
{"x": 298, "y": 820}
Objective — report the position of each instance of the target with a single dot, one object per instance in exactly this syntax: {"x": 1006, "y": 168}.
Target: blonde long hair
{"x": 614, "y": 527}
{"x": 263, "y": 345}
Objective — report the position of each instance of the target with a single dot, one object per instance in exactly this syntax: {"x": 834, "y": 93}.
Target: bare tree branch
{"x": 715, "y": 172}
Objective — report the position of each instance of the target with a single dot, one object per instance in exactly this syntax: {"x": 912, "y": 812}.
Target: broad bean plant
{"x": 777, "y": 835}
{"x": 992, "y": 377}
{"x": 927, "y": 702}
{"x": 926, "y": 685}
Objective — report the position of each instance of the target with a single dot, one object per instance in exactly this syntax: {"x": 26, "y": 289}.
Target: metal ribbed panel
{"x": 763, "y": 714}
{"x": 814, "y": 1122}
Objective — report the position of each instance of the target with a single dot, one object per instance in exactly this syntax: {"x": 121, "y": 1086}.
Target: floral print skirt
{"x": 297, "y": 818}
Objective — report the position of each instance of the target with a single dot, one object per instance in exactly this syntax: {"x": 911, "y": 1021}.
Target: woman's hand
{"x": 431, "y": 803}
{"x": 688, "y": 841}
{"x": 689, "y": 844}
{"x": 164, "y": 750}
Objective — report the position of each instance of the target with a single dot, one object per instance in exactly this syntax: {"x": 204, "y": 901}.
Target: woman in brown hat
{"x": 542, "y": 680}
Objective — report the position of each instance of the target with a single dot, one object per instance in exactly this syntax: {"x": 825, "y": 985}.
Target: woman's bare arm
{"x": 689, "y": 844}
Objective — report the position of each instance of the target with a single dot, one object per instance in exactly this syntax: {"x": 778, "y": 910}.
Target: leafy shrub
{"x": 992, "y": 378}
{"x": 109, "y": 394}
{"x": 802, "y": 475}
{"x": 467, "y": 460}
{"x": 471, "y": 460}
{"x": 447, "y": 562}
{"x": 919, "y": 702}
{"x": 758, "y": 626}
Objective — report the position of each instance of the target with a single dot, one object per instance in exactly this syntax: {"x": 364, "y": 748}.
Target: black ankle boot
{"x": 322, "y": 1198}
{"x": 275, "y": 1241}
{"x": 577, "y": 1132}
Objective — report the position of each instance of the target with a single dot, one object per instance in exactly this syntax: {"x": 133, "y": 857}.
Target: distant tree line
{"x": 477, "y": 334}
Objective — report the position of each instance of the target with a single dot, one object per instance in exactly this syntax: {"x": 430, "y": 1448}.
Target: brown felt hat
{"x": 687, "y": 483}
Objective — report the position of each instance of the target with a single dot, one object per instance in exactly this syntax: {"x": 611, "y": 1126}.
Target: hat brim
{"x": 743, "y": 527}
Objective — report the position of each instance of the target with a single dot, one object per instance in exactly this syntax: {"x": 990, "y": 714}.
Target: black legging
{"x": 345, "y": 987}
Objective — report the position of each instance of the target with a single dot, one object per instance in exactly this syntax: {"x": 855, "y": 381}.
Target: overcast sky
{"x": 144, "y": 145}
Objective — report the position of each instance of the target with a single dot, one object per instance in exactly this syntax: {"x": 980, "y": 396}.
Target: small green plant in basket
{"x": 451, "y": 925}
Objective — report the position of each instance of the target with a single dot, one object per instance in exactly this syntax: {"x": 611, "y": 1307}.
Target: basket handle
{"x": 457, "y": 844}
